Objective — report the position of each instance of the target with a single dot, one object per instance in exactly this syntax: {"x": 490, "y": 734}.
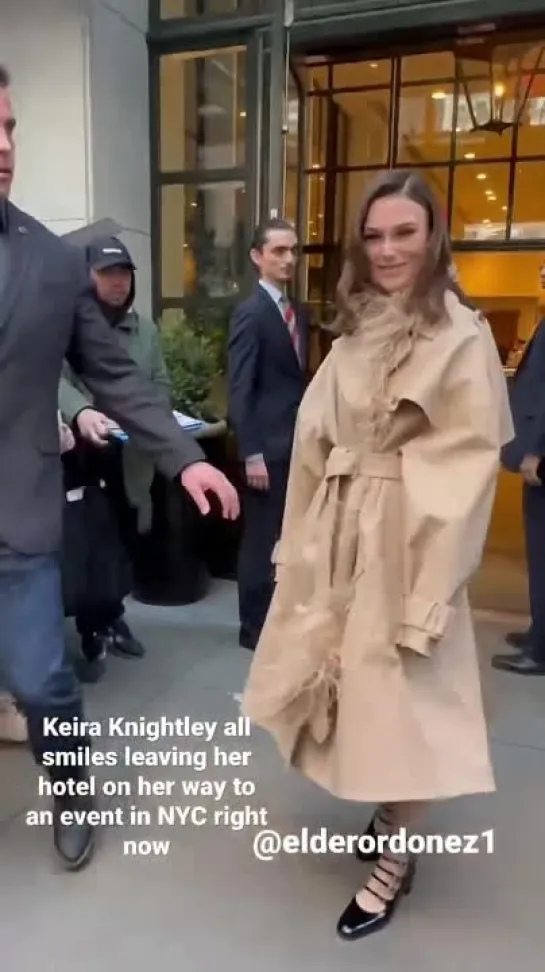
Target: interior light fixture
{"x": 492, "y": 197}
{"x": 439, "y": 95}
{"x": 508, "y": 70}
{"x": 469, "y": 155}
{"x": 482, "y": 176}
{"x": 373, "y": 65}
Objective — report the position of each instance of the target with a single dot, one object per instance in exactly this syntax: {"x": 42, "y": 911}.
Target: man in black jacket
{"x": 47, "y": 314}
{"x": 525, "y": 455}
{"x": 268, "y": 363}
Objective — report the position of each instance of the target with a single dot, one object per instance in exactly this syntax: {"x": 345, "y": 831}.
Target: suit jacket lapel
{"x": 19, "y": 257}
{"x": 280, "y": 323}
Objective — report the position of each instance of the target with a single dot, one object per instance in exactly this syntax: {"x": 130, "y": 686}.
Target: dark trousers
{"x": 263, "y": 512}
{"x": 534, "y": 524}
{"x": 98, "y": 617}
{"x": 34, "y": 664}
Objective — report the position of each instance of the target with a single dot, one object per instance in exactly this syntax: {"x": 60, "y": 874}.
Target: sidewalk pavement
{"x": 210, "y": 895}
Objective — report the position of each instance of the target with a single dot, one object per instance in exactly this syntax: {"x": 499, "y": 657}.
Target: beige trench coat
{"x": 366, "y": 673}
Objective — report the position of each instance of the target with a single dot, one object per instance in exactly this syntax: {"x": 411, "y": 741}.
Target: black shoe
{"x": 91, "y": 666}
{"x": 123, "y": 643}
{"x": 520, "y": 664}
{"x": 74, "y": 842}
{"x": 369, "y": 855}
{"x": 518, "y": 639}
{"x": 356, "y": 923}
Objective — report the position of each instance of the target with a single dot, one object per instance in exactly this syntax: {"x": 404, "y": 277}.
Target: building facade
{"x": 186, "y": 121}
{"x": 292, "y": 107}
{"x": 80, "y": 76}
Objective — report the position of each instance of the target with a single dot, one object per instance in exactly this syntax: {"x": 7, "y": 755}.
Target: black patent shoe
{"x": 73, "y": 838}
{"x": 356, "y": 923}
{"x": 123, "y": 643}
{"x": 519, "y": 664}
{"x": 91, "y": 666}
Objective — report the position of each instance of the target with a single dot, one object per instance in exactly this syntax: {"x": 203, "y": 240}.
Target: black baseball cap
{"x": 109, "y": 252}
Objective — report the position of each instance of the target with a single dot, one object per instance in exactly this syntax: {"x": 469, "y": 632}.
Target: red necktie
{"x": 289, "y": 317}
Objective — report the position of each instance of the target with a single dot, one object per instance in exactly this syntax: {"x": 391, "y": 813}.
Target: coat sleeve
{"x": 449, "y": 479}
{"x": 72, "y": 401}
{"x": 313, "y": 440}
{"x": 243, "y": 365}
{"x": 122, "y": 392}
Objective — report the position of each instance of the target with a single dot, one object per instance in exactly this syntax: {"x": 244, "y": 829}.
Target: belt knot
{"x": 345, "y": 462}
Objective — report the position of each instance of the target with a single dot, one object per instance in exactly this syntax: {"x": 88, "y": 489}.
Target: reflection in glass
{"x": 528, "y": 221}
{"x": 479, "y": 144}
{"x": 367, "y": 114}
{"x": 436, "y": 66}
{"x": 480, "y": 199}
{"x": 315, "y": 208}
{"x": 207, "y": 8}
{"x": 357, "y": 184}
{"x": 531, "y": 133}
{"x": 317, "y": 117}
{"x": 425, "y": 124}
{"x": 362, "y": 74}
{"x": 291, "y": 193}
{"x": 203, "y": 110}
{"x": 203, "y": 251}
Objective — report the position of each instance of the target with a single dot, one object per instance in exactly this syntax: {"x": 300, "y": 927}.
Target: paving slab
{"x": 209, "y": 903}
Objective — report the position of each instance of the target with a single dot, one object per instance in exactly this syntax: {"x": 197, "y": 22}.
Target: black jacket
{"x": 266, "y": 379}
{"x": 527, "y": 397}
{"x": 48, "y": 313}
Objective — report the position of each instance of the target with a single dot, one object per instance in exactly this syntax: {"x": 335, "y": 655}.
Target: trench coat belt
{"x": 373, "y": 465}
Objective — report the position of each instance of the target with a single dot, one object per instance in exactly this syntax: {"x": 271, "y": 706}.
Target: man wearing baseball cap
{"x": 103, "y": 628}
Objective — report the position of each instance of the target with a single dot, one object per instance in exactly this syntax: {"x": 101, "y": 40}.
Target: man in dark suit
{"x": 525, "y": 454}
{"x": 47, "y": 314}
{"x": 268, "y": 362}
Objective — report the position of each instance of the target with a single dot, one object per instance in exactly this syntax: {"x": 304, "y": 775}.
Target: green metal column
{"x": 282, "y": 19}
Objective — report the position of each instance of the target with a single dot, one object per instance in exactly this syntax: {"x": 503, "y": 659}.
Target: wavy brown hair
{"x": 434, "y": 279}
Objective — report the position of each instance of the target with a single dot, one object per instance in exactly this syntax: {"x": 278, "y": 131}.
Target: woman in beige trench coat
{"x": 366, "y": 673}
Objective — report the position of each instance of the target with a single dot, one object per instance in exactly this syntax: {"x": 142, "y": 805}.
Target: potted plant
{"x": 195, "y": 349}
{"x": 174, "y": 564}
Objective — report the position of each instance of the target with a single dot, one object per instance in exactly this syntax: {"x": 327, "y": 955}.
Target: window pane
{"x": 367, "y": 115}
{"x": 529, "y": 205}
{"x": 207, "y": 8}
{"x": 356, "y": 185}
{"x": 200, "y": 332}
{"x": 317, "y": 117}
{"x": 480, "y": 144}
{"x": 531, "y": 133}
{"x": 437, "y": 66}
{"x": 361, "y": 74}
{"x": 203, "y": 248}
{"x": 203, "y": 110}
{"x": 425, "y": 124}
{"x": 315, "y": 208}
{"x": 292, "y": 153}
{"x": 314, "y": 77}
{"x": 479, "y": 209}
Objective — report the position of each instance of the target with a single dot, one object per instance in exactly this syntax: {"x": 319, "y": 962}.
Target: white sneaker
{"x": 13, "y": 727}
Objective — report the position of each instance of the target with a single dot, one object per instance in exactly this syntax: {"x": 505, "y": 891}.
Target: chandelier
{"x": 496, "y": 81}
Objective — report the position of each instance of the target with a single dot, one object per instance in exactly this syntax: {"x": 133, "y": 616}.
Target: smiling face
{"x": 395, "y": 237}
{"x": 7, "y": 147}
